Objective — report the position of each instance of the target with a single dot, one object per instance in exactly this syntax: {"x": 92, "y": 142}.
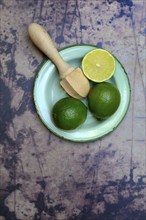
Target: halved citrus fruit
{"x": 98, "y": 65}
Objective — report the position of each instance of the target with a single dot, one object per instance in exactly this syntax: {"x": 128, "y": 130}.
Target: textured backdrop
{"x": 43, "y": 177}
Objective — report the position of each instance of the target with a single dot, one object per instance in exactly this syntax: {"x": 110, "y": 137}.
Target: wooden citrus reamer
{"x": 72, "y": 79}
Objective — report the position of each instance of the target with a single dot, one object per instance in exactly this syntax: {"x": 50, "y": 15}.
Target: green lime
{"x": 69, "y": 113}
{"x": 103, "y": 100}
{"x": 98, "y": 65}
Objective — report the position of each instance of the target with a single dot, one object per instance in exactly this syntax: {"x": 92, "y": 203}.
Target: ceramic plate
{"x": 47, "y": 91}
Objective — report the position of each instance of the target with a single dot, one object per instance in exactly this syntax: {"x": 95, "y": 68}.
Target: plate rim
{"x": 37, "y": 109}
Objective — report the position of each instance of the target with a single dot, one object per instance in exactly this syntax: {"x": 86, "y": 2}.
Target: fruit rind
{"x": 69, "y": 113}
{"x": 100, "y": 100}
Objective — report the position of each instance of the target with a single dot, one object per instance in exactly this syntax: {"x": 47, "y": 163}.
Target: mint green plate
{"x": 47, "y": 91}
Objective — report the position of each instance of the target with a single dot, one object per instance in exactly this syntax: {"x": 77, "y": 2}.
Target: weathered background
{"x": 43, "y": 177}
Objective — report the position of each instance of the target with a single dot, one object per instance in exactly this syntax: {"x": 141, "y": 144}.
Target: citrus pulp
{"x": 98, "y": 65}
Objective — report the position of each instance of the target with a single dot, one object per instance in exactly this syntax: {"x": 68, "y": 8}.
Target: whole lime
{"x": 103, "y": 100}
{"x": 69, "y": 113}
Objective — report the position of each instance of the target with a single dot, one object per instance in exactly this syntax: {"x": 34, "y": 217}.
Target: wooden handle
{"x": 43, "y": 41}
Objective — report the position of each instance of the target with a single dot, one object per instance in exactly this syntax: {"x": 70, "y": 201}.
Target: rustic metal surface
{"x": 43, "y": 177}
